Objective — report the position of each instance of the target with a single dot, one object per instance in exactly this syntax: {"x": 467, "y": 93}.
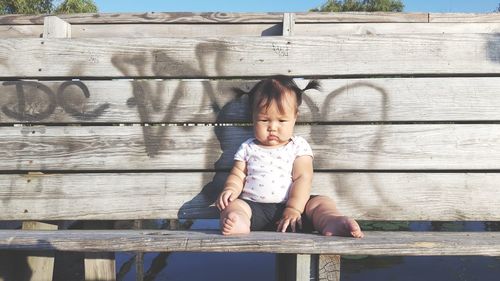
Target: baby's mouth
{"x": 272, "y": 137}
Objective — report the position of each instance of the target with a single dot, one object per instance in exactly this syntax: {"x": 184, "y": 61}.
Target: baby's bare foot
{"x": 341, "y": 226}
{"x": 235, "y": 223}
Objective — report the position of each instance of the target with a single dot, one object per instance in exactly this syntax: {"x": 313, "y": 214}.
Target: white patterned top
{"x": 269, "y": 170}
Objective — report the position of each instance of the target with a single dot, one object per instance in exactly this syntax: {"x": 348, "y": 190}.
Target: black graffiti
{"x": 63, "y": 102}
{"x": 22, "y": 114}
{"x": 62, "y": 99}
{"x": 148, "y": 98}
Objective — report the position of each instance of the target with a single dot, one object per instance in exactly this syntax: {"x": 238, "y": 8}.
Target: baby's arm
{"x": 302, "y": 174}
{"x": 233, "y": 186}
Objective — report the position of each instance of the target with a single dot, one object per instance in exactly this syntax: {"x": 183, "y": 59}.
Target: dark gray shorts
{"x": 265, "y": 217}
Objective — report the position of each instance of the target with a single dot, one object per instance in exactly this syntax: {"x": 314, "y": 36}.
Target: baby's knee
{"x": 317, "y": 202}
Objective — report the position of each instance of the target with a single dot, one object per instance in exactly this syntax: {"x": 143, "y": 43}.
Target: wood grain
{"x": 333, "y": 29}
{"x": 175, "y": 30}
{"x": 336, "y": 147}
{"x": 21, "y": 31}
{"x": 464, "y": 17}
{"x": 196, "y": 18}
{"x": 347, "y": 17}
{"x": 364, "y": 196}
{"x": 269, "y": 29}
{"x": 359, "y": 55}
{"x": 374, "y": 243}
{"x": 192, "y": 101}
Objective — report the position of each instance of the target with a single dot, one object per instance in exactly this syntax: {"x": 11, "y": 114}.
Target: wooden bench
{"x": 134, "y": 117}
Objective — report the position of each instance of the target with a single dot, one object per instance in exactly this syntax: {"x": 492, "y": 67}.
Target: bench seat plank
{"x": 374, "y": 243}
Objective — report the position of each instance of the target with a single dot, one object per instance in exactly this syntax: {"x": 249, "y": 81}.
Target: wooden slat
{"x": 340, "y": 100}
{"x": 464, "y": 17}
{"x": 394, "y": 28}
{"x": 251, "y": 56}
{"x": 151, "y": 17}
{"x": 252, "y": 18}
{"x": 21, "y": 31}
{"x": 269, "y": 29}
{"x": 374, "y": 243}
{"x": 346, "y": 17}
{"x": 364, "y": 196}
{"x": 154, "y": 17}
{"x": 174, "y": 30}
{"x": 365, "y": 147}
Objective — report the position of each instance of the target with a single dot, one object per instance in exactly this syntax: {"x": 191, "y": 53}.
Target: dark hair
{"x": 273, "y": 88}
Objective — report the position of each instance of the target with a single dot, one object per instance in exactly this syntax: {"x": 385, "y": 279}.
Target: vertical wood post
{"x": 288, "y": 24}
{"x": 139, "y": 257}
{"x": 41, "y": 266}
{"x": 54, "y": 27}
{"x": 295, "y": 267}
{"x": 99, "y": 266}
{"x": 305, "y": 267}
{"x": 329, "y": 268}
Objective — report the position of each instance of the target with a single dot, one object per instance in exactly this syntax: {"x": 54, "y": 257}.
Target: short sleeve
{"x": 242, "y": 152}
{"x": 302, "y": 147}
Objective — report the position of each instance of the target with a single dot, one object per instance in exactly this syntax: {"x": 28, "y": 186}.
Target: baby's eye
{"x": 283, "y": 121}
{"x": 263, "y": 120}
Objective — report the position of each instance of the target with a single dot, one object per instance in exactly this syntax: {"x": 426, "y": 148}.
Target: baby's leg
{"x": 235, "y": 218}
{"x": 326, "y": 219}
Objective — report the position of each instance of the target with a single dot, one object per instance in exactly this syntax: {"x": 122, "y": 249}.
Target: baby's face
{"x": 273, "y": 128}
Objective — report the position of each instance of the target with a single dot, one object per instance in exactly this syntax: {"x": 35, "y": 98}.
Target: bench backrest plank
{"x": 364, "y": 195}
{"x": 200, "y": 57}
{"x": 341, "y": 147}
{"x": 214, "y": 101}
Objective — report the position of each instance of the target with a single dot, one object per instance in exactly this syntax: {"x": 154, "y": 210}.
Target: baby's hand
{"x": 291, "y": 217}
{"x": 226, "y": 197}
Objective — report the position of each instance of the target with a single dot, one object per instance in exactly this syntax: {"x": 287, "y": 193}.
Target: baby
{"x": 269, "y": 185}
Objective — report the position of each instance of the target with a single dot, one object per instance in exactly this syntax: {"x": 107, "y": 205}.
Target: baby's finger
{"x": 278, "y": 225}
{"x": 219, "y": 204}
{"x": 292, "y": 225}
{"x": 299, "y": 222}
{"x": 284, "y": 225}
{"x": 223, "y": 201}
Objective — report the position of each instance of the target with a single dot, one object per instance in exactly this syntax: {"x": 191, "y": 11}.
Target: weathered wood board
{"x": 364, "y": 196}
{"x": 336, "y": 147}
{"x": 202, "y": 57}
{"x": 193, "y": 101}
{"x": 374, "y": 243}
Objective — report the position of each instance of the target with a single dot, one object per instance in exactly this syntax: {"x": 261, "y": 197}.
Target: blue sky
{"x": 444, "y": 6}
